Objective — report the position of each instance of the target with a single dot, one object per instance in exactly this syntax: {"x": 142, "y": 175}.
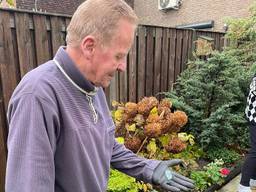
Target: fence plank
{"x": 133, "y": 71}
{"x": 9, "y": 69}
{"x": 178, "y": 54}
{"x": 193, "y": 45}
{"x": 157, "y": 62}
{"x": 150, "y": 61}
{"x": 123, "y": 84}
{"x": 222, "y": 42}
{"x": 24, "y": 43}
{"x": 56, "y": 33}
{"x": 67, "y": 21}
{"x": 214, "y": 40}
{"x": 213, "y": 36}
{"x": 107, "y": 94}
{"x": 164, "y": 65}
{"x": 113, "y": 89}
{"x": 218, "y": 41}
{"x": 141, "y": 62}
{"x": 184, "y": 57}
{"x": 3, "y": 150}
{"x": 190, "y": 45}
{"x": 172, "y": 59}
{"x": 41, "y": 39}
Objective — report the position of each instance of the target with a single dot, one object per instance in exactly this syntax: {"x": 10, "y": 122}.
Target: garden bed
{"x": 152, "y": 129}
{"x": 235, "y": 170}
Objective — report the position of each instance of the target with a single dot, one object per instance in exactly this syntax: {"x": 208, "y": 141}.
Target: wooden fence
{"x": 28, "y": 39}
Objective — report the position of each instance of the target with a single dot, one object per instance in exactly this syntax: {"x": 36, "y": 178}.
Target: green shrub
{"x": 208, "y": 176}
{"x": 200, "y": 179}
{"x": 227, "y": 155}
{"x": 211, "y": 93}
{"x": 120, "y": 182}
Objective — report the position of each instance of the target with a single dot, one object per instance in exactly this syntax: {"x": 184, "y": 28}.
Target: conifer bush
{"x": 210, "y": 92}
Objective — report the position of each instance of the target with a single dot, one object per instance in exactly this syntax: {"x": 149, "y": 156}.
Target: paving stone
{"x": 232, "y": 185}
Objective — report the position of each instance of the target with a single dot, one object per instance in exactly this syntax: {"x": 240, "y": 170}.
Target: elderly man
{"x": 61, "y": 134}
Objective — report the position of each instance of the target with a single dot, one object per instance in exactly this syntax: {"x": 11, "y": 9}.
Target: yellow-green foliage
{"x": 120, "y": 182}
{"x": 10, "y": 2}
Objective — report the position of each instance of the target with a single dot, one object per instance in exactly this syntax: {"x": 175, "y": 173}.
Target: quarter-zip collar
{"x": 72, "y": 71}
{"x": 68, "y": 68}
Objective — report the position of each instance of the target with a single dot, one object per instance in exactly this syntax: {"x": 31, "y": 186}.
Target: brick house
{"x": 53, "y": 6}
{"x": 192, "y": 12}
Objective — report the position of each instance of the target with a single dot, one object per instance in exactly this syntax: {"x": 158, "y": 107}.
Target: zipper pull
{"x": 94, "y": 113}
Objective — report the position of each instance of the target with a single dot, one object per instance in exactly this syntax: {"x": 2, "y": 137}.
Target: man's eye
{"x": 119, "y": 57}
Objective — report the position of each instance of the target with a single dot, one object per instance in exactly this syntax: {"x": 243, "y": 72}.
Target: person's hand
{"x": 170, "y": 180}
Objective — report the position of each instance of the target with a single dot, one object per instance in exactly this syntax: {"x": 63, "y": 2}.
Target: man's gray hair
{"x": 98, "y": 18}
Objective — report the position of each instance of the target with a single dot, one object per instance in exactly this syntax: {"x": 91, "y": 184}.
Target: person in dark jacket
{"x": 248, "y": 178}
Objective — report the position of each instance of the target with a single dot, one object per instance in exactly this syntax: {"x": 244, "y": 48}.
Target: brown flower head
{"x": 139, "y": 120}
{"x": 180, "y": 118}
{"x": 167, "y": 123}
{"x": 175, "y": 145}
{"x": 153, "y": 118}
{"x": 165, "y": 103}
{"x": 152, "y": 130}
{"x": 130, "y": 109}
{"x": 164, "y": 110}
{"x": 132, "y": 143}
{"x": 146, "y": 104}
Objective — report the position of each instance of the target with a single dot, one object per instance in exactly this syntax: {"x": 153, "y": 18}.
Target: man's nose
{"x": 122, "y": 66}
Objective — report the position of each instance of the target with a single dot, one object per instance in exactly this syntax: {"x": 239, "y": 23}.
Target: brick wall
{"x": 192, "y": 11}
{"x": 54, "y": 6}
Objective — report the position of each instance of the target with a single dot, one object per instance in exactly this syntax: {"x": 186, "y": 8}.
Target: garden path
{"x": 232, "y": 185}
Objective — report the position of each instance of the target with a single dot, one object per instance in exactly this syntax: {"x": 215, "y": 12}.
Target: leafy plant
{"x": 227, "y": 155}
{"x": 120, "y": 182}
{"x": 200, "y": 179}
{"x": 211, "y": 174}
{"x": 192, "y": 152}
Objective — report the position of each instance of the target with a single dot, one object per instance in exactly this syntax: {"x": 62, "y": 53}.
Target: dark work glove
{"x": 170, "y": 180}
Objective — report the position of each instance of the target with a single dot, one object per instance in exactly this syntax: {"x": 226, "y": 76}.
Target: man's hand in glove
{"x": 170, "y": 180}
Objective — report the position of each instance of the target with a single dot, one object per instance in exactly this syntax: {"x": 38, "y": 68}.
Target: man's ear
{"x": 88, "y": 46}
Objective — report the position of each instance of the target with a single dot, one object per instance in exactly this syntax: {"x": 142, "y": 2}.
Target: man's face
{"x": 112, "y": 57}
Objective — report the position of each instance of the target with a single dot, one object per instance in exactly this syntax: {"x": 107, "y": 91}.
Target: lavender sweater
{"x": 61, "y": 139}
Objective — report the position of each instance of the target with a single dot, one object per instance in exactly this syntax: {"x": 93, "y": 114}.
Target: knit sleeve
{"x": 127, "y": 162}
{"x": 31, "y": 145}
